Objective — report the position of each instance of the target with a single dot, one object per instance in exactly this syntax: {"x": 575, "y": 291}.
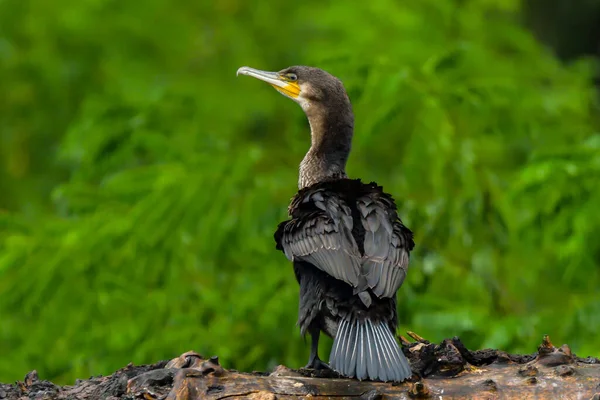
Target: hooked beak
{"x": 279, "y": 82}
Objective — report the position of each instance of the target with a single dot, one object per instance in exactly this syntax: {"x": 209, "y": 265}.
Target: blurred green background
{"x": 141, "y": 181}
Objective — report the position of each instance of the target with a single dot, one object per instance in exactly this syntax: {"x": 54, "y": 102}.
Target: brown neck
{"x": 331, "y": 139}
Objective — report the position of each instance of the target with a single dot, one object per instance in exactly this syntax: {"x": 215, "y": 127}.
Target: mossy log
{"x": 441, "y": 371}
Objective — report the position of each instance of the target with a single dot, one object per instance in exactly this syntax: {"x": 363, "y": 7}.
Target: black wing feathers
{"x": 351, "y": 231}
{"x": 387, "y": 243}
{"x": 322, "y": 236}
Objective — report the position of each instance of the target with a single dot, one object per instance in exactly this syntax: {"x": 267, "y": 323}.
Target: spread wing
{"x": 387, "y": 244}
{"x": 321, "y": 233}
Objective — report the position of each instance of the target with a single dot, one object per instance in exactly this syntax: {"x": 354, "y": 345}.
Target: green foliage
{"x": 142, "y": 182}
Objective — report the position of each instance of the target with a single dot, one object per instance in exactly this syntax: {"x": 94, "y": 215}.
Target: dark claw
{"x": 317, "y": 364}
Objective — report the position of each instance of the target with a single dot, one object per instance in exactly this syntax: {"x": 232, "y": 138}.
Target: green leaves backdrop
{"x": 141, "y": 182}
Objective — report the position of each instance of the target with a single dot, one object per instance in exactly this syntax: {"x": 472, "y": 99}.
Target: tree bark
{"x": 441, "y": 371}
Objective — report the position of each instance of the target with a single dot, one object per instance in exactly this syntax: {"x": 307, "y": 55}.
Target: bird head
{"x": 307, "y": 86}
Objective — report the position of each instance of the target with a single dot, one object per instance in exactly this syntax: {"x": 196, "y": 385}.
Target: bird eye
{"x": 292, "y": 77}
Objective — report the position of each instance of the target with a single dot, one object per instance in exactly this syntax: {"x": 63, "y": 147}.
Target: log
{"x": 441, "y": 371}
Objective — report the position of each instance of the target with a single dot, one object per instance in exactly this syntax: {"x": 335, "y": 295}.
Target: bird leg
{"x": 314, "y": 362}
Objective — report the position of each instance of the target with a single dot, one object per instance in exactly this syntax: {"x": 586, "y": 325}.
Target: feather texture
{"x": 350, "y": 253}
{"x": 370, "y": 351}
{"x": 367, "y": 250}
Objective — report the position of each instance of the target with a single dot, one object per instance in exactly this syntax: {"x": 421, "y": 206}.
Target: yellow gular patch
{"x": 291, "y": 89}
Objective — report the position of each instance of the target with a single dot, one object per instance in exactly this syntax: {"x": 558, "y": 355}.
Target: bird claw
{"x": 317, "y": 364}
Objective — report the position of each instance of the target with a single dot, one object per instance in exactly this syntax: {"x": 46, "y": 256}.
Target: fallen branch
{"x": 445, "y": 371}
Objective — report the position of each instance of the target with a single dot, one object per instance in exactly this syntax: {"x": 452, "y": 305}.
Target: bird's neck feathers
{"x": 331, "y": 128}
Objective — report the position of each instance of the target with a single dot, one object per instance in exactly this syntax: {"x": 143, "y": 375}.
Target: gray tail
{"x": 364, "y": 349}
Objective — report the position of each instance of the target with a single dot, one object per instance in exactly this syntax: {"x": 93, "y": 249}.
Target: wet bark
{"x": 447, "y": 370}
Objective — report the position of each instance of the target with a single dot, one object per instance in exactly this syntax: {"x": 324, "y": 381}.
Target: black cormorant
{"x": 349, "y": 249}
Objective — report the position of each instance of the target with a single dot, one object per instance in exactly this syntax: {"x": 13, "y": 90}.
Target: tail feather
{"x": 350, "y": 364}
{"x": 361, "y": 367}
{"x": 368, "y": 350}
{"x": 372, "y": 359}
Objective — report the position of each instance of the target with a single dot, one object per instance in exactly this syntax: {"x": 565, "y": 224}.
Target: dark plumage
{"x": 349, "y": 249}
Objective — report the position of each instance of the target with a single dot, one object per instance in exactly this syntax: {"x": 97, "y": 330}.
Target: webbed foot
{"x": 316, "y": 363}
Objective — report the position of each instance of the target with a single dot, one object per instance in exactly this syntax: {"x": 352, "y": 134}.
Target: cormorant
{"x": 349, "y": 249}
